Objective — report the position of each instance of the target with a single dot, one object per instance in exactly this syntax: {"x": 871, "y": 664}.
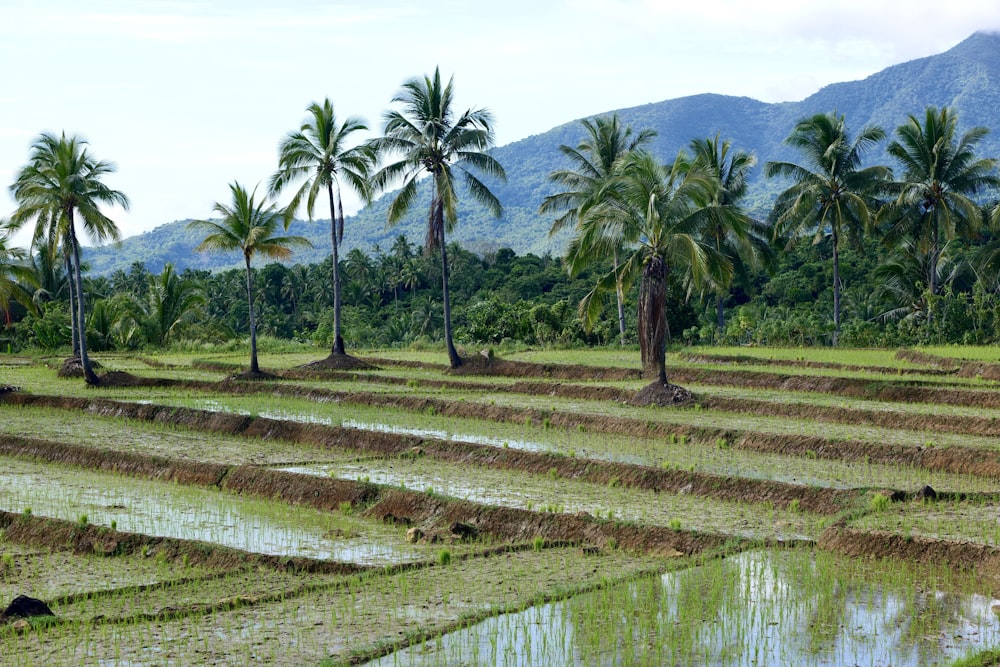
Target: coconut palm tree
{"x": 61, "y": 182}
{"x": 427, "y": 136}
{"x": 594, "y": 161}
{"x": 831, "y": 192}
{"x": 16, "y": 276}
{"x": 654, "y": 211}
{"x": 170, "y": 302}
{"x": 932, "y": 201}
{"x": 728, "y": 227}
{"x": 248, "y": 225}
{"x": 320, "y": 155}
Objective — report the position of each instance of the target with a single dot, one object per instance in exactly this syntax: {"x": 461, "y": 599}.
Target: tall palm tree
{"x": 320, "y": 155}
{"x": 932, "y": 202}
{"x": 831, "y": 192}
{"x": 427, "y": 136}
{"x": 594, "y": 161}
{"x": 16, "y": 276}
{"x": 655, "y": 211}
{"x": 61, "y": 181}
{"x": 248, "y": 225}
{"x": 728, "y": 227}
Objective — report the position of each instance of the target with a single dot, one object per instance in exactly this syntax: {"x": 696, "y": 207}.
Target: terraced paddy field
{"x": 808, "y": 507}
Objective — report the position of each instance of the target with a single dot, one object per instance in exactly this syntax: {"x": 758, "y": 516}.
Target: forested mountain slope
{"x": 966, "y": 77}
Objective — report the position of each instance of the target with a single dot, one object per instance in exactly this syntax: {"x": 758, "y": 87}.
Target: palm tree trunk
{"x": 932, "y": 282}
{"x": 254, "y": 367}
{"x": 653, "y": 318}
{"x": 88, "y": 371}
{"x": 338, "y": 340}
{"x": 453, "y": 357}
{"x": 720, "y": 313}
{"x": 836, "y": 289}
{"x": 74, "y": 343}
{"x": 621, "y": 302}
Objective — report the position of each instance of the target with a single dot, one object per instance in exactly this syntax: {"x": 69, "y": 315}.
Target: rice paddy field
{"x": 808, "y": 507}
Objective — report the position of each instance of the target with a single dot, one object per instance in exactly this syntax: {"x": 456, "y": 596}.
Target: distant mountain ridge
{"x": 966, "y": 77}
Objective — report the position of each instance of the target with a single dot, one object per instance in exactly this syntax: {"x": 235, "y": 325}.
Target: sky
{"x": 187, "y": 96}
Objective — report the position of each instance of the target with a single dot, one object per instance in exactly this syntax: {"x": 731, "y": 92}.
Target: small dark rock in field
{"x": 926, "y": 493}
{"x": 8, "y": 388}
{"x": 463, "y": 531}
{"x": 25, "y": 607}
{"x": 414, "y": 535}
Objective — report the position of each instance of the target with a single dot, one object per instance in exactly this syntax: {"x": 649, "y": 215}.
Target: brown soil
{"x": 437, "y": 514}
{"x": 877, "y": 544}
{"x": 153, "y": 467}
{"x": 73, "y": 367}
{"x": 983, "y": 426}
{"x": 319, "y": 492}
{"x": 984, "y": 371}
{"x": 952, "y": 459}
{"x": 872, "y": 389}
{"x": 338, "y": 362}
{"x": 826, "y": 365}
{"x": 585, "y": 392}
{"x": 482, "y": 366}
{"x": 663, "y": 395}
{"x": 252, "y": 376}
{"x": 57, "y": 534}
{"x": 926, "y": 359}
{"x": 123, "y": 379}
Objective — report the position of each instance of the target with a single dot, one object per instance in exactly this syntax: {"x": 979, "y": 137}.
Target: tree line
{"x": 669, "y": 241}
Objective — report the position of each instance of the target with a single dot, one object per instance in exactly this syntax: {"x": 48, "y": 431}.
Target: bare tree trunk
{"x": 88, "y": 371}
{"x": 254, "y": 367}
{"x": 653, "y": 318}
{"x": 720, "y": 313}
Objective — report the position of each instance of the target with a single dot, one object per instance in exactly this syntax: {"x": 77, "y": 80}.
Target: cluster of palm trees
{"x": 686, "y": 216}
{"x": 646, "y": 218}
{"x": 426, "y": 135}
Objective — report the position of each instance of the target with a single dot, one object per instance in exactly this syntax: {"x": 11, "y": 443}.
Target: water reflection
{"x": 756, "y": 609}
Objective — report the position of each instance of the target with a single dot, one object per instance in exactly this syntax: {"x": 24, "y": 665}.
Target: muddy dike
{"x": 884, "y": 545}
{"x": 905, "y": 391}
{"x": 57, "y": 535}
{"x": 732, "y": 489}
{"x": 440, "y": 518}
{"x": 140, "y": 465}
{"x": 984, "y": 426}
{"x": 747, "y": 360}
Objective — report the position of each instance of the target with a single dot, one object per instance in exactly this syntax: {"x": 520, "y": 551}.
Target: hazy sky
{"x": 187, "y": 96}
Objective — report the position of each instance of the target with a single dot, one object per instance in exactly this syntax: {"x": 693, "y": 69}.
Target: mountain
{"x": 966, "y": 77}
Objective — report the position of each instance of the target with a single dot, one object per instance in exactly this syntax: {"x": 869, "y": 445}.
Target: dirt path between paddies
{"x": 732, "y": 489}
